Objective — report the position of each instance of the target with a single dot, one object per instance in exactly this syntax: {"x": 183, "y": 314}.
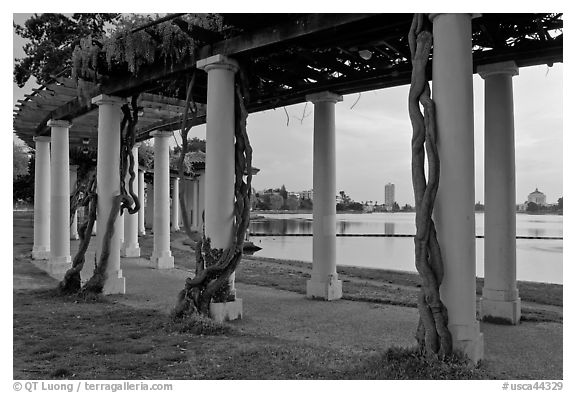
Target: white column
{"x": 175, "y": 204}
{"x": 500, "y": 299}
{"x": 149, "y": 212}
{"x": 60, "y": 259}
{"x": 108, "y": 185}
{"x": 74, "y": 224}
{"x": 454, "y": 210}
{"x": 161, "y": 254}
{"x": 324, "y": 282}
{"x": 131, "y": 248}
{"x": 196, "y": 223}
{"x": 219, "y": 194}
{"x": 141, "y": 197}
{"x": 41, "y": 248}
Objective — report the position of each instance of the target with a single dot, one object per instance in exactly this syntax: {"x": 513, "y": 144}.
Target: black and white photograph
{"x": 270, "y": 194}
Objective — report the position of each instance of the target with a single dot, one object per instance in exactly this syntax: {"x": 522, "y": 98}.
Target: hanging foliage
{"x": 131, "y": 48}
{"x": 432, "y": 334}
{"x": 215, "y": 266}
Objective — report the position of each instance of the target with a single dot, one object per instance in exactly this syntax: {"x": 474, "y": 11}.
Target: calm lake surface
{"x": 537, "y": 260}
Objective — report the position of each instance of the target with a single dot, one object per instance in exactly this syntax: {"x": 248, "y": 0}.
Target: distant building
{"x": 389, "y": 198}
{"x": 307, "y": 195}
{"x": 537, "y": 197}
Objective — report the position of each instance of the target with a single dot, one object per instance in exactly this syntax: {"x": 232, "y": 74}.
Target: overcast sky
{"x": 373, "y": 139}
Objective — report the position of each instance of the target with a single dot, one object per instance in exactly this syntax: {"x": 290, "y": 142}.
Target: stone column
{"x": 196, "y": 223}
{"x": 219, "y": 192}
{"x": 74, "y": 224}
{"x": 108, "y": 185}
{"x": 41, "y": 248}
{"x": 324, "y": 282}
{"x": 141, "y": 197}
{"x": 454, "y": 210}
{"x": 131, "y": 248}
{"x": 500, "y": 299}
{"x": 149, "y": 212}
{"x": 161, "y": 256}
{"x": 60, "y": 259}
{"x": 175, "y": 204}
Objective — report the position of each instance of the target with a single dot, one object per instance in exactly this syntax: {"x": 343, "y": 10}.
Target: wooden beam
{"x": 260, "y": 39}
{"x": 301, "y": 27}
{"x": 197, "y": 32}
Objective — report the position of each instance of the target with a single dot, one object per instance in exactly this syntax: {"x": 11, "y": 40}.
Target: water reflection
{"x": 389, "y": 228}
{"x": 537, "y": 260}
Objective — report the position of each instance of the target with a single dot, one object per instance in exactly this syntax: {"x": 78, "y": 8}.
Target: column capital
{"x": 325, "y": 96}
{"x": 41, "y": 138}
{"x": 59, "y": 123}
{"x": 505, "y": 67}
{"x": 217, "y": 61}
{"x": 137, "y": 145}
{"x": 432, "y": 17}
{"x": 104, "y": 99}
{"x": 161, "y": 134}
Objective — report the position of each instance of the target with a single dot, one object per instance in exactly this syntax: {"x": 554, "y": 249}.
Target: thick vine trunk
{"x": 214, "y": 267}
{"x": 432, "y": 333}
{"x": 71, "y": 283}
{"x": 127, "y": 200}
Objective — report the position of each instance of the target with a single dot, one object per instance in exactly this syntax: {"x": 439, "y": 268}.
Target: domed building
{"x": 537, "y": 197}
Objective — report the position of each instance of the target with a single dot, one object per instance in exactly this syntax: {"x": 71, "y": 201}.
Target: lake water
{"x": 537, "y": 259}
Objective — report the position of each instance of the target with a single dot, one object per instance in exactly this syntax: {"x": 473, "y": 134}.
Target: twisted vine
{"x": 71, "y": 282}
{"x": 126, "y": 200}
{"x": 432, "y": 334}
{"x": 214, "y": 266}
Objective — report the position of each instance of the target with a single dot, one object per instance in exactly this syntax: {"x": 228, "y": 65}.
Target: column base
{"x": 468, "y": 340}
{"x": 74, "y": 236}
{"x": 142, "y": 232}
{"x": 163, "y": 261}
{"x": 228, "y": 311}
{"x": 500, "y": 311}
{"x": 330, "y": 289}
{"x": 115, "y": 284}
{"x": 130, "y": 251}
{"x": 40, "y": 252}
{"x": 58, "y": 266}
{"x": 174, "y": 229}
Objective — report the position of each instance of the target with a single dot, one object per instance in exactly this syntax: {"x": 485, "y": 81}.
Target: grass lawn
{"x": 64, "y": 338}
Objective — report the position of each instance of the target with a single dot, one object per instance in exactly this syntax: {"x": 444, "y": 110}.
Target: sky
{"x": 373, "y": 135}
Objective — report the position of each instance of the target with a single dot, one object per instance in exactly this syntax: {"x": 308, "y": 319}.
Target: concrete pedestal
{"x": 59, "y": 197}
{"x": 108, "y": 185}
{"x": 324, "y": 281}
{"x": 500, "y": 301}
{"x": 41, "y": 247}
{"x": 161, "y": 255}
{"x": 228, "y": 311}
{"x": 454, "y": 209}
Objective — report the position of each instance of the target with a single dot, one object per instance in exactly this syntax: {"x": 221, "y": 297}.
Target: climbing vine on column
{"x": 432, "y": 335}
{"x": 214, "y": 266}
{"x": 126, "y": 200}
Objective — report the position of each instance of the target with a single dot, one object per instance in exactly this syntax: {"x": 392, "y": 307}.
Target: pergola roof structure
{"x": 285, "y": 57}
